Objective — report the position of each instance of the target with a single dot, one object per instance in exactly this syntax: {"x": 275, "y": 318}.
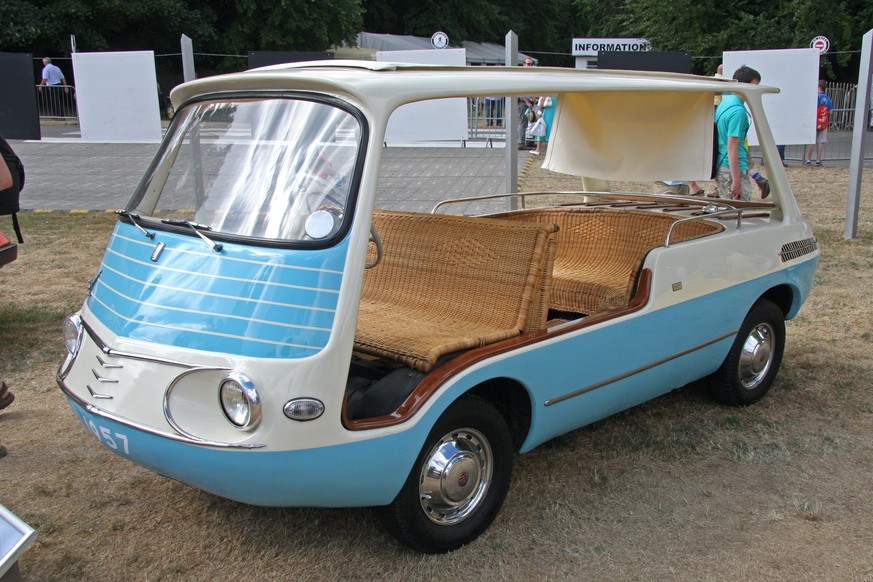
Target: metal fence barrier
{"x": 486, "y": 118}
{"x": 56, "y": 102}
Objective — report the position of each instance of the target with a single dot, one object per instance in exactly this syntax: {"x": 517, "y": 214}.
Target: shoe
{"x": 6, "y": 397}
{"x": 818, "y": 163}
{"x": 698, "y": 193}
{"x": 807, "y": 163}
{"x": 535, "y": 153}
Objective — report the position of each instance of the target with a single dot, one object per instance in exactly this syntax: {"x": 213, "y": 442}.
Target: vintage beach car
{"x": 262, "y": 328}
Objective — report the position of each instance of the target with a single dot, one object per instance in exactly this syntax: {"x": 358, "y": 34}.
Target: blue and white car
{"x": 260, "y": 329}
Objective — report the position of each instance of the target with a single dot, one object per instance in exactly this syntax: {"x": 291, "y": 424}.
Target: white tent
{"x": 477, "y": 53}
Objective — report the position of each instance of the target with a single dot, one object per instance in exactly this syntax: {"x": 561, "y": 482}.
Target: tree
{"x": 44, "y": 26}
{"x": 706, "y": 28}
{"x": 245, "y": 25}
{"x": 238, "y": 26}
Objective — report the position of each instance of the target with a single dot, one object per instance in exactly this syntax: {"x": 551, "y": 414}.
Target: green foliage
{"x": 43, "y": 27}
{"x": 245, "y": 25}
{"x": 704, "y": 28}
{"x": 476, "y": 20}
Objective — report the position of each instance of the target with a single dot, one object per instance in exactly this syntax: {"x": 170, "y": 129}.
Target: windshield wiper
{"x": 196, "y": 228}
{"x": 133, "y": 220}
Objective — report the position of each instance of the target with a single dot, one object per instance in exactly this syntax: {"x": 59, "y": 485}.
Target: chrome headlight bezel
{"x": 239, "y": 401}
{"x": 73, "y": 332}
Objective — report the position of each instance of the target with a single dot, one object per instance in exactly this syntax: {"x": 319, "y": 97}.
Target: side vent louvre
{"x": 793, "y": 250}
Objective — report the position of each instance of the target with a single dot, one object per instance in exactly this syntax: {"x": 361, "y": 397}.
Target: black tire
{"x": 472, "y": 473}
{"x": 751, "y": 366}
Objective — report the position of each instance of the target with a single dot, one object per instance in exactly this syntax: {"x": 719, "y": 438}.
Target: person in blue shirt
{"x": 54, "y": 82}
{"x": 821, "y": 126}
{"x": 732, "y": 121}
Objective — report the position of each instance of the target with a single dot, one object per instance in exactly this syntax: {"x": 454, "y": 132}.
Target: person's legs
{"x": 522, "y": 125}
{"x": 660, "y": 187}
{"x": 724, "y": 183}
{"x": 808, "y": 157}
{"x": 58, "y": 100}
{"x": 747, "y": 185}
{"x": 821, "y": 139}
{"x": 6, "y": 395}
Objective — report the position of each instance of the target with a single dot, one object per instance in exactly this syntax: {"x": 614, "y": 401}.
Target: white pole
{"x": 859, "y": 136}
{"x": 188, "y": 73}
{"x": 510, "y": 124}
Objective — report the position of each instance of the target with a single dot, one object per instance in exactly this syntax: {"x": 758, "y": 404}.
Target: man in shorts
{"x": 732, "y": 121}
{"x": 821, "y": 126}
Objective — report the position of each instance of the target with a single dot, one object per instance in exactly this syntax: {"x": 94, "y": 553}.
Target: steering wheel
{"x": 318, "y": 190}
{"x": 375, "y": 239}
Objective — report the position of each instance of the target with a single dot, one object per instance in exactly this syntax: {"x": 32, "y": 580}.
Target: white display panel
{"x": 791, "y": 113}
{"x": 437, "y": 120}
{"x": 15, "y": 537}
{"x": 117, "y": 96}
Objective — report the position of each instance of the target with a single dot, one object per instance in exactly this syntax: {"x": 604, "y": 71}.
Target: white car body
{"x": 266, "y": 300}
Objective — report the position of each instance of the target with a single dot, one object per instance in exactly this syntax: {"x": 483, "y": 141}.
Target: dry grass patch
{"x": 678, "y": 488}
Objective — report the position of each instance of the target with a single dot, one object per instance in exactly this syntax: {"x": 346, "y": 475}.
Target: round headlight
{"x": 73, "y": 333}
{"x": 240, "y": 401}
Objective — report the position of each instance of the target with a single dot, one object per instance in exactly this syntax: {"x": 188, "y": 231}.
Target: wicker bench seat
{"x": 600, "y": 252}
{"x": 450, "y": 283}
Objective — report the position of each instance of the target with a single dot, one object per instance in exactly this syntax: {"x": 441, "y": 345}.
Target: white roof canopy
{"x": 632, "y": 135}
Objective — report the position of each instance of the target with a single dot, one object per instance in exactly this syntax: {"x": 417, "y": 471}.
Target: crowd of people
{"x": 535, "y": 116}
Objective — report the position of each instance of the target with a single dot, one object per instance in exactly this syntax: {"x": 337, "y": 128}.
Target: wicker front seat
{"x": 450, "y": 283}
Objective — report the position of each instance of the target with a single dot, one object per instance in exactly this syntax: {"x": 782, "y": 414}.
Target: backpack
{"x": 822, "y": 118}
{"x": 716, "y": 159}
{"x": 9, "y": 198}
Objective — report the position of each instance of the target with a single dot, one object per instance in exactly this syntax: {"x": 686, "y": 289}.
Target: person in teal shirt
{"x": 732, "y": 122}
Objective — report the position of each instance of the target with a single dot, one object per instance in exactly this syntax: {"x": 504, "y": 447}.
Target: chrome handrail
{"x": 522, "y": 195}
{"x": 729, "y": 210}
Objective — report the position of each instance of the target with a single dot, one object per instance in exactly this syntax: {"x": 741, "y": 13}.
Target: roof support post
{"x": 510, "y": 123}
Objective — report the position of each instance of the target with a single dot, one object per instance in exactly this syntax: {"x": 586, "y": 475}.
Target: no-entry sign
{"x": 821, "y": 44}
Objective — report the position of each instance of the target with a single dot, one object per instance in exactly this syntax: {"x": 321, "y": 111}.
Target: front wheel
{"x": 756, "y": 354}
{"x": 458, "y": 482}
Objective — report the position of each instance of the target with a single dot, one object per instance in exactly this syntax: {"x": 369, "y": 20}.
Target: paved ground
{"x": 66, "y": 174}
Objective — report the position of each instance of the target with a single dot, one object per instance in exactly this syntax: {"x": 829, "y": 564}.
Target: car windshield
{"x": 257, "y": 168}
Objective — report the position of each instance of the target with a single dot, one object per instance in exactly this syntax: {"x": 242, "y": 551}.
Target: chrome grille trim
{"x": 797, "y": 249}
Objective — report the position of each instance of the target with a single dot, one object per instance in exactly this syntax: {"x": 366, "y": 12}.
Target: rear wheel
{"x": 458, "y": 482}
{"x": 756, "y": 354}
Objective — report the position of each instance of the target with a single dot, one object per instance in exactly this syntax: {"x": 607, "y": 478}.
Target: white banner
{"x": 791, "y": 112}
{"x": 117, "y": 96}
{"x": 435, "y": 120}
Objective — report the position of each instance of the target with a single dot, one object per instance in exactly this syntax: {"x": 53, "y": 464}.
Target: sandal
{"x": 6, "y": 397}
{"x": 698, "y": 193}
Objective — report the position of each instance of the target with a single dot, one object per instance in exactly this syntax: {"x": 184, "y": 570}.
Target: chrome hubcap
{"x": 455, "y": 476}
{"x": 757, "y": 356}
